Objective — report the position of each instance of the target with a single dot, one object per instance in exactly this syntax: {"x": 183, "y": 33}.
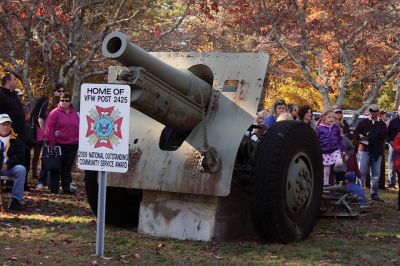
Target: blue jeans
{"x": 18, "y": 172}
{"x": 365, "y": 163}
{"x": 391, "y": 163}
{"x": 68, "y": 154}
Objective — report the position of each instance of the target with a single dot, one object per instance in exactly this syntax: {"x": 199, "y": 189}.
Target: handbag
{"x": 51, "y": 157}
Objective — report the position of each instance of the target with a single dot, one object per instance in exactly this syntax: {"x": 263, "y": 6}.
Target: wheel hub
{"x": 299, "y": 183}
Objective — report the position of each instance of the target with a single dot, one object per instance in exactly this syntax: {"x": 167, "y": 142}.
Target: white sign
{"x": 104, "y": 127}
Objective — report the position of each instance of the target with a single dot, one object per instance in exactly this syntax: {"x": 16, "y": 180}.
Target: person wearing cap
{"x": 12, "y": 156}
{"x": 371, "y": 134}
{"x": 393, "y": 130}
{"x": 339, "y": 119}
{"x": 351, "y": 186}
{"x": 11, "y": 104}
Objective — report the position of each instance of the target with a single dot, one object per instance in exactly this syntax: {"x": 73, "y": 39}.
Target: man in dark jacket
{"x": 371, "y": 133}
{"x": 11, "y": 104}
{"x": 12, "y": 156}
{"x": 393, "y": 130}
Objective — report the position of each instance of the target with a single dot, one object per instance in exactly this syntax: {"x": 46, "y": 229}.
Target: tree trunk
{"x": 397, "y": 97}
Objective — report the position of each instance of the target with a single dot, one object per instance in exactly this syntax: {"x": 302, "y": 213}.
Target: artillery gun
{"x": 193, "y": 172}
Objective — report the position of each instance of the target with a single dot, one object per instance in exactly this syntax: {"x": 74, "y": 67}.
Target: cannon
{"x": 193, "y": 172}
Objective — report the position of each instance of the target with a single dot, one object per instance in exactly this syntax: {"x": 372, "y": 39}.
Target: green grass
{"x": 61, "y": 230}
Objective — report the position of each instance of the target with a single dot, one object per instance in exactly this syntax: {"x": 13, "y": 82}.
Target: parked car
{"x": 316, "y": 115}
{"x": 356, "y": 122}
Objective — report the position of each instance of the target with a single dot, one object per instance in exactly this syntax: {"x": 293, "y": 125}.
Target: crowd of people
{"x": 355, "y": 159}
{"x": 52, "y": 123}
{"x": 350, "y": 158}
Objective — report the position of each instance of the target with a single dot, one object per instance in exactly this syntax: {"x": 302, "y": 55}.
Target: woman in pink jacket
{"x": 62, "y": 129}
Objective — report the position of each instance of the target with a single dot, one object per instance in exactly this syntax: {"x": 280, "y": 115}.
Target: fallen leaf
{"x": 106, "y": 258}
{"x": 215, "y": 256}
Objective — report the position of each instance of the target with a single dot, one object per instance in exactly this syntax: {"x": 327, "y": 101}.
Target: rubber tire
{"x": 122, "y": 204}
{"x": 272, "y": 219}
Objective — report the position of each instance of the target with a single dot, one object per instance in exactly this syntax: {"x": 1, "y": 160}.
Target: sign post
{"x": 104, "y": 139}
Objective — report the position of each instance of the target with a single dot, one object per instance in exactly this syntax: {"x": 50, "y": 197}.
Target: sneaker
{"x": 14, "y": 205}
{"x": 40, "y": 186}
{"x": 378, "y": 200}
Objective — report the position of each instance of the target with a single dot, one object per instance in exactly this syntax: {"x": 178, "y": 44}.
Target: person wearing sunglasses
{"x": 371, "y": 134}
{"x": 62, "y": 129}
{"x": 279, "y": 107}
{"x": 12, "y": 155}
{"x": 46, "y": 107}
{"x": 341, "y": 121}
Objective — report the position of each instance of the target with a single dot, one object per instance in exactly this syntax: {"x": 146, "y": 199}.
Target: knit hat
{"x": 373, "y": 107}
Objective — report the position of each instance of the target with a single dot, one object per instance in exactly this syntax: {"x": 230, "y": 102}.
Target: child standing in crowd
{"x": 331, "y": 142}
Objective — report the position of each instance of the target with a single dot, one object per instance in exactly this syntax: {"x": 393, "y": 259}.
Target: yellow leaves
{"x": 293, "y": 92}
{"x": 315, "y": 15}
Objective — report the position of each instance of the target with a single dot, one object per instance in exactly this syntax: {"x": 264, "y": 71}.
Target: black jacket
{"x": 15, "y": 152}
{"x": 11, "y": 105}
{"x": 376, "y": 133}
{"x": 393, "y": 128}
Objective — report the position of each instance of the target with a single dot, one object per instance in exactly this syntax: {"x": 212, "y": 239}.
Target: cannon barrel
{"x": 117, "y": 46}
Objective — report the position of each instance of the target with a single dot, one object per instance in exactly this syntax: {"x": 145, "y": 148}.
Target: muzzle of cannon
{"x": 174, "y": 97}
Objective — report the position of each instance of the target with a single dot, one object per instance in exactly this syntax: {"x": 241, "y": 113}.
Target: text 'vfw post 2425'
{"x": 104, "y": 127}
{"x": 104, "y": 139}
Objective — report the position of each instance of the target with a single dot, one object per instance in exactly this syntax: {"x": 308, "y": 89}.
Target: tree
{"x": 333, "y": 43}
{"x": 17, "y": 20}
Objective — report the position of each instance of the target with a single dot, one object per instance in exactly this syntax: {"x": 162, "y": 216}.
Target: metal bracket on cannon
{"x": 154, "y": 97}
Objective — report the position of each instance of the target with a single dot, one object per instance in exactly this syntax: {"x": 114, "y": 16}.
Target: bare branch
{"x": 172, "y": 29}
{"x": 94, "y": 73}
{"x": 303, "y": 68}
{"x": 374, "y": 92}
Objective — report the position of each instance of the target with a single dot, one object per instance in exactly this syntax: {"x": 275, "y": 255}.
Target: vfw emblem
{"x": 104, "y": 127}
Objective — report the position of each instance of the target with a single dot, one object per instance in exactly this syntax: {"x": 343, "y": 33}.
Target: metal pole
{"x": 101, "y": 210}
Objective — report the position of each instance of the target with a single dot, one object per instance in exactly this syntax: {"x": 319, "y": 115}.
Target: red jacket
{"x": 396, "y": 146}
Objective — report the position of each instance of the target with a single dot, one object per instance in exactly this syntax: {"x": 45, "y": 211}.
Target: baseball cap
{"x": 373, "y": 107}
{"x": 336, "y": 108}
{"x": 350, "y": 176}
{"x": 4, "y": 118}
